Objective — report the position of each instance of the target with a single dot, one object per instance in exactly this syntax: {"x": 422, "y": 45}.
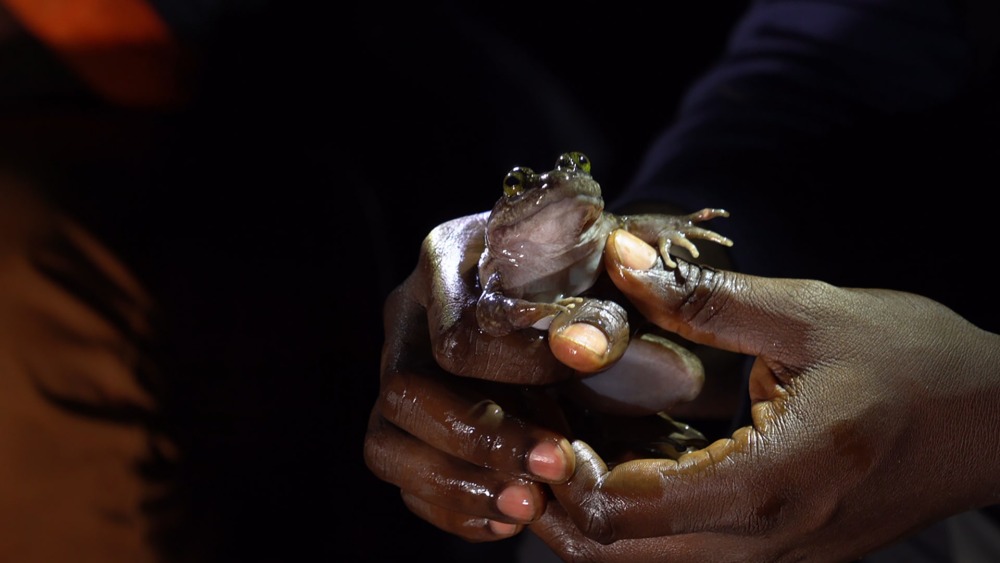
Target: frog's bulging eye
{"x": 573, "y": 161}
{"x": 513, "y": 183}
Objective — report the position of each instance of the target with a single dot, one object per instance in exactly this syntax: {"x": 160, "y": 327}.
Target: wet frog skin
{"x": 544, "y": 244}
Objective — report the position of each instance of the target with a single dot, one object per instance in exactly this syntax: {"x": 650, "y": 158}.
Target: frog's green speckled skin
{"x": 545, "y": 240}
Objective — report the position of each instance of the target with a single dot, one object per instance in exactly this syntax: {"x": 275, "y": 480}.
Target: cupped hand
{"x": 466, "y": 424}
{"x": 874, "y": 413}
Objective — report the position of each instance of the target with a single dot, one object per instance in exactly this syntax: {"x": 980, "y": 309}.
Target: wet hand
{"x": 466, "y": 424}
{"x": 874, "y": 414}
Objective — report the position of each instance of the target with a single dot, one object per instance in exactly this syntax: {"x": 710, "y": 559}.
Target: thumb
{"x": 729, "y": 310}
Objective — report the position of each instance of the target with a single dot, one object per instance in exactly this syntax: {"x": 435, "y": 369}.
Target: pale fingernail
{"x": 549, "y": 461}
{"x": 587, "y": 338}
{"x": 515, "y": 501}
{"x": 634, "y": 252}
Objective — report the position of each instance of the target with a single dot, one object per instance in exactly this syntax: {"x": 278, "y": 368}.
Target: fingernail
{"x": 549, "y": 461}
{"x": 586, "y": 338}
{"x": 634, "y": 252}
{"x": 515, "y": 501}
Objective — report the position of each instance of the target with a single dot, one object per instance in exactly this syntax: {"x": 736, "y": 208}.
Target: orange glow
{"x": 120, "y": 48}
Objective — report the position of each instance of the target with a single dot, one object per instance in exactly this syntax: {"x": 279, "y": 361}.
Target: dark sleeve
{"x": 798, "y": 76}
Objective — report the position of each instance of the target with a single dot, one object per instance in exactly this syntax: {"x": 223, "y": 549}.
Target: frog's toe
{"x": 664, "y": 245}
{"x": 706, "y": 214}
{"x": 681, "y": 240}
{"x": 705, "y": 234}
{"x": 567, "y": 304}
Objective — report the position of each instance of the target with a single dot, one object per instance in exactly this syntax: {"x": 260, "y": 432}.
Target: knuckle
{"x": 450, "y": 351}
{"x": 597, "y": 523}
{"x": 701, "y": 287}
{"x": 375, "y": 448}
{"x": 398, "y": 403}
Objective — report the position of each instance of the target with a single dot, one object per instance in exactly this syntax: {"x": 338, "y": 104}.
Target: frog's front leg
{"x": 667, "y": 230}
{"x": 499, "y": 315}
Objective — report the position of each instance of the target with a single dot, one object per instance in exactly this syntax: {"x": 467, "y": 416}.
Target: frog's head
{"x": 552, "y": 208}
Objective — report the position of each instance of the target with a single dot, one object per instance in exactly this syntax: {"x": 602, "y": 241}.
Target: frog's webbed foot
{"x": 682, "y": 234}
{"x": 569, "y": 303}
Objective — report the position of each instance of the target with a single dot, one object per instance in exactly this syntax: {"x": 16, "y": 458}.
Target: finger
{"x": 475, "y": 428}
{"x": 579, "y": 345}
{"x": 653, "y": 375}
{"x": 717, "y": 489}
{"x": 470, "y": 528}
{"x": 521, "y": 357}
{"x": 558, "y": 531}
{"x": 728, "y": 310}
{"x": 591, "y": 336}
{"x": 452, "y": 414}
{"x": 446, "y": 481}
{"x": 444, "y": 286}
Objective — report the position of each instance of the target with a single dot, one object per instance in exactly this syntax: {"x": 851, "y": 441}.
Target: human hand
{"x": 874, "y": 414}
{"x": 470, "y": 453}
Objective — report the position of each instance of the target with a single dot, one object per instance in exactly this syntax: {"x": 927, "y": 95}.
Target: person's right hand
{"x": 875, "y": 413}
{"x": 465, "y": 424}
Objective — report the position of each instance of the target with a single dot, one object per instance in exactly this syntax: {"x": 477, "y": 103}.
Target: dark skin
{"x": 844, "y": 415}
{"x": 849, "y": 418}
{"x": 422, "y": 403}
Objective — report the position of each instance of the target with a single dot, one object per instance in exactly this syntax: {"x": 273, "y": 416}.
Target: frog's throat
{"x": 558, "y": 222}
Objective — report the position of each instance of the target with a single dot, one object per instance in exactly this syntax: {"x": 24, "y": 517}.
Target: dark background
{"x": 272, "y": 215}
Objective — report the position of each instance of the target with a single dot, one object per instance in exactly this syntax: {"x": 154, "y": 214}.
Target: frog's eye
{"x": 574, "y": 161}
{"x": 513, "y": 183}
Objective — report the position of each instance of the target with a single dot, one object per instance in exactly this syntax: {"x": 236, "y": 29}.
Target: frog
{"x": 543, "y": 248}
{"x": 544, "y": 245}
